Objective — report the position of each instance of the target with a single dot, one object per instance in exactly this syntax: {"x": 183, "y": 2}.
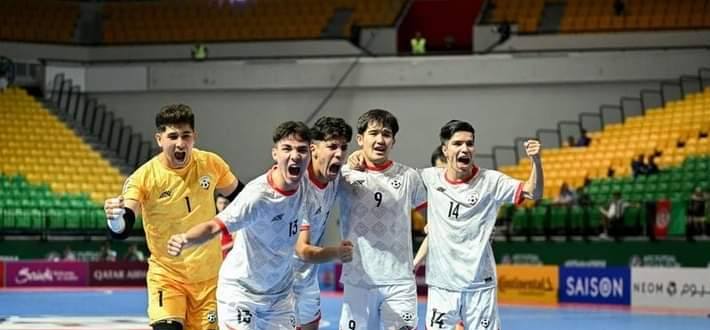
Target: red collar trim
{"x": 474, "y": 171}
{"x": 379, "y": 168}
{"x": 312, "y": 177}
{"x": 273, "y": 186}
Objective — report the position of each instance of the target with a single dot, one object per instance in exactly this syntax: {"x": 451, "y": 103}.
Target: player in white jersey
{"x": 375, "y": 208}
{"x": 255, "y": 281}
{"x": 463, "y": 203}
{"x": 329, "y": 143}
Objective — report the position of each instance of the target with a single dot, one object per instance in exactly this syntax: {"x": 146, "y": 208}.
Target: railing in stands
{"x": 93, "y": 120}
{"x": 668, "y": 91}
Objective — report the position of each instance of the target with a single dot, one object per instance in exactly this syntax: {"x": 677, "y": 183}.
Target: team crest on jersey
{"x": 407, "y": 316}
{"x": 472, "y": 198}
{"x": 485, "y": 323}
{"x": 211, "y": 317}
{"x": 396, "y": 183}
{"x": 205, "y": 182}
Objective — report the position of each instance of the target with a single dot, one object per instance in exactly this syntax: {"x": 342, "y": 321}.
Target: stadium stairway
{"x": 52, "y": 182}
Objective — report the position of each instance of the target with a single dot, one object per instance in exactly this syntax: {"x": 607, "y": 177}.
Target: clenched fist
{"x": 114, "y": 208}
{"x": 345, "y": 251}
{"x": 176, "y": 244}
{"x": 532, "y": 148}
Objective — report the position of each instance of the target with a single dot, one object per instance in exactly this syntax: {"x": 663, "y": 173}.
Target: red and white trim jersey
{"x": 266, "y": 220}
{"x": 461, "y": 217}
{"x": 375, "y": 208}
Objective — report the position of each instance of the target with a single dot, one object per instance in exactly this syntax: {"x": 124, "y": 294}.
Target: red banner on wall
{"x": 46, "y": 274}
{"x": 117, "y": 273}
{"x": 663, "y": 218}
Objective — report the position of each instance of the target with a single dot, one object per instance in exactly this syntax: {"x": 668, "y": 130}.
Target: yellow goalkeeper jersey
{"x": 174, "y": 200}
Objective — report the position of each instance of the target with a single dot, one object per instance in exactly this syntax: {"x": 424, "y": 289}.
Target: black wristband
{"x": 130, "y": 218}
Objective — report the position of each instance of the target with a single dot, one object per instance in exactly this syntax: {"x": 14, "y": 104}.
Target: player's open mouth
{"x": 180, "y": 156}
{"x": 463, "y": 159}
{"x": 380, "y": 148}
{"x": 334, "y": 169}
{"x": 294, "y": 170}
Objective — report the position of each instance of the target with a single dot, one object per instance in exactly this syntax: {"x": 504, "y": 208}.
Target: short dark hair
{"x": 174, "y": 114}
{"x": 288, "y": 128}
{"x": 453, "y": 126}
{"x": 437, "y": 154}
{"x": 379, "y": 116}
{"x": 327, "y": 128}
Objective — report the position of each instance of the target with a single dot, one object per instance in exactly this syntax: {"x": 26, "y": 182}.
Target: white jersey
{"x": 266, "y": 220}
{"x": 321, "y": 199}
{"x": 375, "y": 214}
{"x": 461, "y": 217}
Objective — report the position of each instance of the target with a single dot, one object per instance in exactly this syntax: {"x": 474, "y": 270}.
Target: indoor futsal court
{"x": 556, "y": 152}
{"x": 118, "y": 308}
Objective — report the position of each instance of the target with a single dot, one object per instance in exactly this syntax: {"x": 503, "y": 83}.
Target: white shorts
{"x": 239, "y": 311}
{"x": 477, "y": 309}
{"x": 392, "y": 307}
{"x": 307, "y": 297}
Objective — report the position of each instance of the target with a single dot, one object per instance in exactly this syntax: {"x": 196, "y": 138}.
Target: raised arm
{"x": 196, "y": 235}
{"x": 533, "y": 187}
{"x": 120, "y": 216}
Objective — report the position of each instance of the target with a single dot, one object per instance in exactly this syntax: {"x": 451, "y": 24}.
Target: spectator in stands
{"x": 199, "y": 52}
{"x": 7, "y": 73}
{"x": 613, "y": 215}
{"x": 134, "y": 254}
{"x": 106, "y": 253}
{"x": 638, "y": 166}
{"x": 221, "y": 202}
{"x": 583, "y": 140}
{"x": 3, "y": 83}
{"x": 567, "y": 195}
{"x": 619, "y": 7}
{"x": 68, "y": 254}
{"x": 652, "y": 167}
{"x": 418, "y": 44}
{"x": 54, "y": 256}
{"x": 449, "y": 42}
{"x": 570, "y": 142}
{"x": 695, "y": 214}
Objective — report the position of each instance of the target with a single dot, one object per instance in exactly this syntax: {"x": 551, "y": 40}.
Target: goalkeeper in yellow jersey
{"x": 175, "y": 191}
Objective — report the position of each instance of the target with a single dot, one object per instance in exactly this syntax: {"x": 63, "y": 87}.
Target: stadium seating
{"x": 679, "y": 131}
{"x": 171, "y": 21}
{"x": 600, "y": 15}
{"x": 673, "y": 130}
{"x": 47, "y": 171}
{"x": 525, "y": 13}
{"x": 38, "y": 20}
{"x": 603, "y": 16}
